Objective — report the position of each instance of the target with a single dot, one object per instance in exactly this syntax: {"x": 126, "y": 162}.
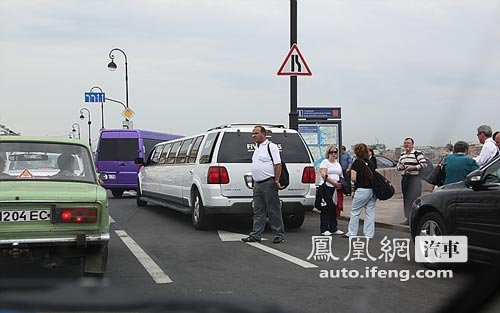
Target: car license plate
{"x": 24, "y": 216}
{"x": 111, "y": 176}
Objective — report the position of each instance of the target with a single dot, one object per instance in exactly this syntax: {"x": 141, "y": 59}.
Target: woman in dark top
{"x": 361, "y": 174}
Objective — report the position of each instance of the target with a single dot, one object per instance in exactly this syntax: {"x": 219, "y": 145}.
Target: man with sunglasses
{"x": 489, "y": 149}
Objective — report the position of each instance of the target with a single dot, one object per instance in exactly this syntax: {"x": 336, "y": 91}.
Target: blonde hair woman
{"x": 331, "y": 171}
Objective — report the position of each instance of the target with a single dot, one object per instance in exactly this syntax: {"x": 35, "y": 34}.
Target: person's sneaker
{"x": 338, "y": 232}
{"x": 250, "y": 239}
{"x": 326, "y": 233}
{"x": 278, "y": 240}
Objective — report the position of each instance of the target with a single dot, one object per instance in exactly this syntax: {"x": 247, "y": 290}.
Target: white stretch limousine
{"x": 210, "y": 173}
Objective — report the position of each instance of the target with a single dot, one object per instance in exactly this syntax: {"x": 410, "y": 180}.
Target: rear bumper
{"x": 119, "y": 186}
{"x": 245, "y": 208}
{"x": 79, "y": 240}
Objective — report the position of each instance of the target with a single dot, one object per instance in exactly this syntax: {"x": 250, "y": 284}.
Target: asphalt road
{"x": 155, "y": 251}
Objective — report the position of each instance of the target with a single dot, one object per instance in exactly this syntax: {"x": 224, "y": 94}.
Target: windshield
{"x": 46, "y": 161}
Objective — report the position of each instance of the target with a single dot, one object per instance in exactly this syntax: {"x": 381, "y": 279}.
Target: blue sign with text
{"x": 319, "y": 112}
{"x": 95, "y": 97}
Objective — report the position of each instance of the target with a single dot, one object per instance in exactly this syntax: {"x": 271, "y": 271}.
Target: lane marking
{"x": 151, "y": 267}
{"x": 228, "y": 236}
{"x": 282, "y": 255}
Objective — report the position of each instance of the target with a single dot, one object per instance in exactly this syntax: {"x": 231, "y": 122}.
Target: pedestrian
{"x": 489, "y": 149}
{"x": 266, "y": 177}
{"x": 458, "y": 164}
{"x": 372, "y": 157}
{"x": 330, "y": 187}
{"x": 361, "y": 174}
{"x": 496, "y": 138}
{"x": 410, "y": 163}
{"x": 449, "y": 149}
{"x": 346, "y": 161}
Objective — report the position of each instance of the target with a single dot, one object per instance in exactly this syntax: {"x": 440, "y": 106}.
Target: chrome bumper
{"x": 69, "y": 239}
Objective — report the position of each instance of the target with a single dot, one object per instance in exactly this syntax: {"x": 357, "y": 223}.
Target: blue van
{"x": 116, "y": 153}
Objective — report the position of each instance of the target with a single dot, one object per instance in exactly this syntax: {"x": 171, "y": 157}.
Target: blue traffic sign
{"x": 319, "y": 112}
{"x": 95, "y": 97}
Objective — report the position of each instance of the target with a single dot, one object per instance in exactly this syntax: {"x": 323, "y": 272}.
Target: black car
{"x": 468, "y": 208}
{"x": 385, "y": 162}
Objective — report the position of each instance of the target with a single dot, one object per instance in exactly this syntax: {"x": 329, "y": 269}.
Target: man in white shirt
{"x": 489, "y": 149}
{"x": 266, "y": 172}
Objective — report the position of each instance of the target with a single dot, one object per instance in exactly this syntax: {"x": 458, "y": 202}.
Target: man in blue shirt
{"x": 346, "y": 162}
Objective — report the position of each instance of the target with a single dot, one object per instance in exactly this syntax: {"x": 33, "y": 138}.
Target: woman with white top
{"x": 331, "y": 171}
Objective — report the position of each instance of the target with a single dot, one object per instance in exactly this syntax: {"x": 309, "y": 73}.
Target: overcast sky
{"x": 397, "y": 68}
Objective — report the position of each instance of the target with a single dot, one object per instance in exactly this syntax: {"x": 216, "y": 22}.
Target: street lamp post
{"x": 76, "y": 127}
{"x": 102, "y": 104}
{"x": 112, "y": 66}
{"x": 89, "y": 122}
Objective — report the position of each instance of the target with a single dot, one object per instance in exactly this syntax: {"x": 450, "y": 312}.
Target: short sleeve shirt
{"x": 262, "y": 164}
{"x": 333, "y": 170}
{"x": 362, "y": 181}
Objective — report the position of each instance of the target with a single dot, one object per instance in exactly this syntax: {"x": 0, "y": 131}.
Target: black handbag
{"x": 382, "y": 187}
{"x": 438, "y": 174}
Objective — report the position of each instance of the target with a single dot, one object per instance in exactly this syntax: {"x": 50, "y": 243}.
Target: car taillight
{"x": 217, "y": 175}
{"x": 309, "y": 175}
{"x": 75, "y": 215}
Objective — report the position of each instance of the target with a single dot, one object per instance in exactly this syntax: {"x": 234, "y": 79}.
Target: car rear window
{"x": 117, "y": 149}
{"x": 239, "y": 148}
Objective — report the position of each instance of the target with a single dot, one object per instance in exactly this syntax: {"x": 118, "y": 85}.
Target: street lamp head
{"x": 112, "y": 65}
{"x": 82, "y": 117}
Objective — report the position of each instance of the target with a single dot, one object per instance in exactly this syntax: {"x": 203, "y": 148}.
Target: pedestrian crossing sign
{"x": 294, "y": 64}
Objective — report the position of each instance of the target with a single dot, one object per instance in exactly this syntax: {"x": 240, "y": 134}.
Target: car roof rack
{"x": 232, "y": 125}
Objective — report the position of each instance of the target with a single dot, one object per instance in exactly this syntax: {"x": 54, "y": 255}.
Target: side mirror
{"x": 474, "y": 180}
{"x": 139, "y": 161}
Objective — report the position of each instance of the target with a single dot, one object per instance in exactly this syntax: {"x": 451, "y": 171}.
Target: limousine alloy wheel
{"x": 201, "y": 220}
{"x": 432, "y": 224}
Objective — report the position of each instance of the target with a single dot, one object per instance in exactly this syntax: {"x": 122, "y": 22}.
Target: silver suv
{"x": 210, "y": 173}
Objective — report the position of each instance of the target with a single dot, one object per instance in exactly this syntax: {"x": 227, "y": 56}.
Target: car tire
{"x": 140, "y": 203}
{"x": 95, "y": 264}
{"x": 201, "y": 220}
{"x": 432, "y": 224}
{"x": 117, "y": 193}
{"x": 294, "y": 220}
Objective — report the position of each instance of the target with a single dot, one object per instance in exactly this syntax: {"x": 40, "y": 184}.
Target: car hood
{"x": 50, "y": 191}
{"x": 457, "y": 185}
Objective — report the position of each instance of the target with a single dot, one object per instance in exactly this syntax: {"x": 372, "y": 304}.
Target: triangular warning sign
{"x": 294, "y": 64}
{"x": 25, "y": 174}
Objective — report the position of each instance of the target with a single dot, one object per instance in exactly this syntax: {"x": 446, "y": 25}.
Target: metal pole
{"x": 102, "y": 105}
{"x": 111, "y": 56}
{"x": 293, "y": 119}
{"x": 89, "y": 123}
